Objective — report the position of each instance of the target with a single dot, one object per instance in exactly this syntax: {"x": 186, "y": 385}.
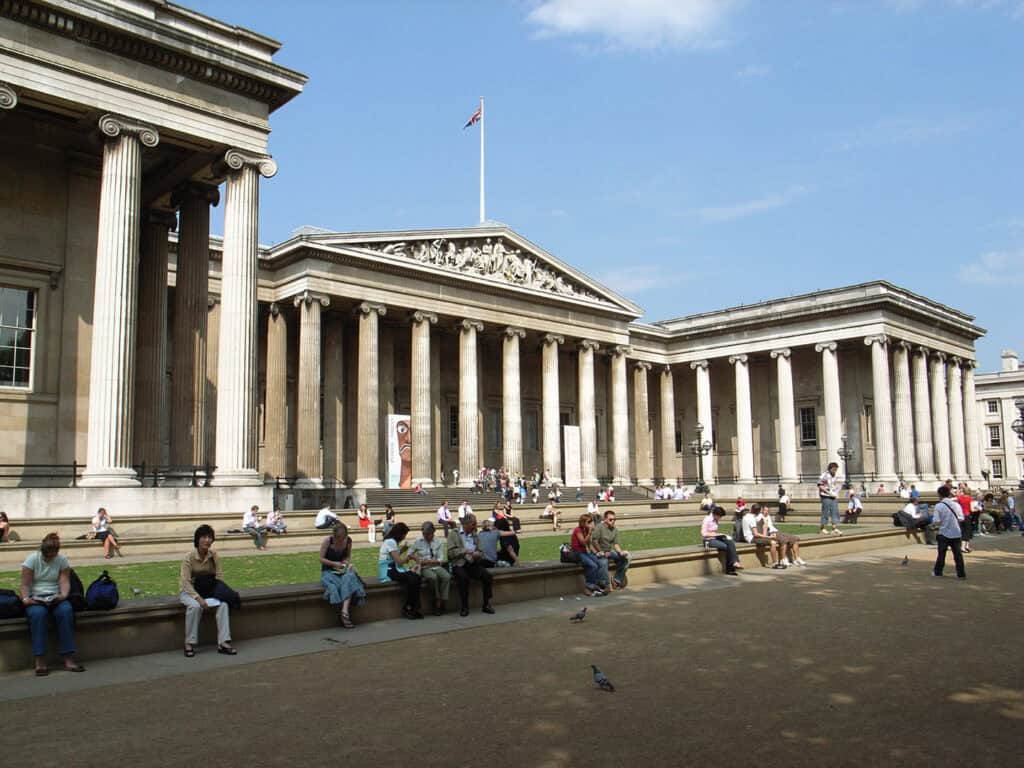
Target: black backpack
{"x": 102, "y": 594}
{"x": 76, "y": 594}
{"x": 11, "y": 606}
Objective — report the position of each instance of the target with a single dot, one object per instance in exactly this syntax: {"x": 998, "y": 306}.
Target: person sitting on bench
{"x": 719, "y": 541}
{"x": 748, "y": 526}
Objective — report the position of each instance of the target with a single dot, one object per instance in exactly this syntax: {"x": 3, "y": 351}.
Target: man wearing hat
{"x": 429, "y": 553}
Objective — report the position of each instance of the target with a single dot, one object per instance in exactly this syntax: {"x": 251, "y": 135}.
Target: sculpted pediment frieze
{"x": 494, "y": 258}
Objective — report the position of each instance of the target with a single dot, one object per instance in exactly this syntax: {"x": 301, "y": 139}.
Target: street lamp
{"x": 1018, "y": 427}
{"x": 846, "y": 453}
{"x": 700, "y": 449}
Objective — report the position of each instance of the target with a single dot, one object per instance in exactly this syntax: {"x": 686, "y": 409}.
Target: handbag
{"x": 567, "y": 555}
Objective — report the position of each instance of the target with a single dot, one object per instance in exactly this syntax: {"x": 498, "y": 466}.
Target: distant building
{"x": 998, "y": 394}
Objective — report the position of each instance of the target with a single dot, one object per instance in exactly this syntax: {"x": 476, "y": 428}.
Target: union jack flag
{"x": 473, "y": 120}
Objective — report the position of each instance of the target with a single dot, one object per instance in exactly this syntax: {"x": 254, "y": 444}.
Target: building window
{"x": 869, "y": 424}
{"x": 808, "y": 428}
{"x": 453, "y": 425}
{"x": 997, "y": 469}
{"x": 993, "y": 406}
{"x": 530, "y": 430}
{"x": 17, "y": 326}
{"x": 994, "y": 438}
{"x": 494, "y": 429}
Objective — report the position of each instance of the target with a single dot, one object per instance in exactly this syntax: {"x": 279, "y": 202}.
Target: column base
{"x": 645, "y": 481}
{"x": 746, "y": 481}
{"x": 237, "y": 477}
{"x": 308, "y": 482}
{"x": 368, "y": 482}
{"x": 110, "y": 477}
{"x": 588, "y": 481}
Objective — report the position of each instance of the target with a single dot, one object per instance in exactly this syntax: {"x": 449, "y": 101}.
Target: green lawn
{"x": 242, "y": 571}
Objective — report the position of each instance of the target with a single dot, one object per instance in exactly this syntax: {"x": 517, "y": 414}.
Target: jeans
{"x": 829, "y": 511}
{"x": 958, "y": 558}
{"x": 256, "y": 533}
{"x": 37, "y": 626}
{"x": 621, "y": 565}
{"x": 729, "y": 547}
{"x": 595, "y": 570}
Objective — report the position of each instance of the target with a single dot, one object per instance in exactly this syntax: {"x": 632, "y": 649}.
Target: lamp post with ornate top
{"x": 700, "y": 449}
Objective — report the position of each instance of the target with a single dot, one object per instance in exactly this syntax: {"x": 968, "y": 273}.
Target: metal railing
{"x": 49, "y": 471}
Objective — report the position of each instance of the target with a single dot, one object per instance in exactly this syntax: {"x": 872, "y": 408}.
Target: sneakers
{"x": 836, "y": 532}
{"x": 779, "y": 566}
{"x": 824, "y": 531}
{"x": 801, "y": 562}
{"x": 787, "y": 562}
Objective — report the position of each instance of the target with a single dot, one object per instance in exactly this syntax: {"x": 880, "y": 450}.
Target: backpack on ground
{"x": 11, "y": 606}
{"x": 76, "y": 593}
{"x": 102, "y": 594}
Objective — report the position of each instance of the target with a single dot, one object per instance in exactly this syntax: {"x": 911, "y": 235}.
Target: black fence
{"x": 68, "y": 475}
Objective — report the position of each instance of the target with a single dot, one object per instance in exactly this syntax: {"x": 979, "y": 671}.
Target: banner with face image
{"x": 399, "y": 430}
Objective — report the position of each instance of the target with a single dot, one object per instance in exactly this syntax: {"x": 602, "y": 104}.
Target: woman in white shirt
{"x": 391, "y": 567}
{"x": 45, "y": 586}
{"x": 275, "y": 521}
{"x": 101, "y": 528}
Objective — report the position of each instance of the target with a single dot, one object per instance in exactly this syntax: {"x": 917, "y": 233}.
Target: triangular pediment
{"x": 490, "y": 254}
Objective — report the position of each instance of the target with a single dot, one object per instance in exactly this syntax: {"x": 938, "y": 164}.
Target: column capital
{"x": 879, "y": 338}
{"x": 552, "y": 338}
{"x": 366, "y": 307}
{"x": 195, "y": 190}
{"x": 642, "y": 365}
{"x": 236, "y": 159}
{"x": 590, "y": 344}
{"x": 420, "y": 316}
{"x": 666, "y": 370}
{"x": 785, "y": 352}
{"x": 113, "y": 126}
{"x": 275, "y": 308}
{"x": 161, "y": 217}
{"x": 939, "y": 356}
{"x": 8, "y": 97}
{"x": 308, "y": 297}
{"x": 618, "y": 350}
{"x": 733, "y": 359}
{"x": 831, "y": 346}
{"x": 470, "y": 325}
{"x": 702, "y": 364}
{"x": 955, "y": 361}
{"x": 514, "y": 332}
{"x": 921, "y": 350}
{"x": 902, "y": 344}
{"x": 968, "y": 365}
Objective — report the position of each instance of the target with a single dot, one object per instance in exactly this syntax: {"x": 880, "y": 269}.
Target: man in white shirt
{"x": 913, "y": 520}
{"x": 325, "y": 518}
{"x": 853, "y": 508}
{"x": 748, "y": 526}
{"x": 594, "y": 510}
{"x": 464, "y": 509}
{"x": 251, "y": 525}
{"x": 789, "y": 545}
{"x": 444, "y": 516}
{"x": 828, "y": 491}
{"x": 948, "y": 516}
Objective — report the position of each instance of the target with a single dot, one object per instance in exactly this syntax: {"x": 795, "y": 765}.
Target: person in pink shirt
{"x": 719, "y": 541}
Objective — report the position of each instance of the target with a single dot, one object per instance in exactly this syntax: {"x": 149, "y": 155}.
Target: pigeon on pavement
{"x": 906, "y": 560}
{"x": 601, "y": 681}
{"x": 579, "y": 616}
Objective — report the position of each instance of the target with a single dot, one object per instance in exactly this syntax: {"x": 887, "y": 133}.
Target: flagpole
{"x": 482, "y": 216}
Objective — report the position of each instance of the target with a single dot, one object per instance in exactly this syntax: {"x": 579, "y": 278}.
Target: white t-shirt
{"x": 249, "y": 518}
{"x": 855, "y": 503}
{"x": 769, "y": 526}
{"x": 592, "y": 508}
{"x": 464, "y": 509}
{"x": 748, "y": 524}
{"x": 324, "y": 516}
{"x": 911, "y": 509}
{"x": 784, "y": 499}
{"x": 45, "y": 575}
{"x": 389, "y": 546}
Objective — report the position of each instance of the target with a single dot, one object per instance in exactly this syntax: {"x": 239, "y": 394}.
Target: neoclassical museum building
{"x": 131, "y": 340}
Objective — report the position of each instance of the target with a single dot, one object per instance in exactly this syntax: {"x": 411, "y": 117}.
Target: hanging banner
{"x": 399, "y": 451}
{"x": 571, "y": 441}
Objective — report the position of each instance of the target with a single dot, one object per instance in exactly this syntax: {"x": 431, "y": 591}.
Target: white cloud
{"x": 751, "y": 207}
{"x": 752, "y": 71}
{"x": 995, "y": 268}
{"x": 630, "y": 281}
{"x": 635, "y": 24}
{"x": 905, "y": 130}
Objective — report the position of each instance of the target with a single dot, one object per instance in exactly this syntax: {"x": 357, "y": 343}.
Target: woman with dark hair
{"x": 104, "y": 534}
{"x": 508, "y": 543}
{"x": 595, "y": 569}
{"x": 338, "y": 575}
{"x": 45, "y": 586}
{"x": 391, "y": 567}
{"x": 5, "y": 528}
{"x": 203, "y": 564}
{"x": 389, "y": 519}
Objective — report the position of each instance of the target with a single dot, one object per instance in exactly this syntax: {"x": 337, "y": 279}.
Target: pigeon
{"x": 136, "y": 591}
{"x": 601, "y": 681}
{"x": 906, "y": 560}
{"x": 579, "y": 616}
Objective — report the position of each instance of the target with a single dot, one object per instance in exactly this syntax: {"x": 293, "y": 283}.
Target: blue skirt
{"x": 340, "y": 587}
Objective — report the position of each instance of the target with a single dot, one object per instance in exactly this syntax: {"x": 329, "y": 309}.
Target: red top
{"x": 577, "y": 535}
{"x": 965, "y": 504}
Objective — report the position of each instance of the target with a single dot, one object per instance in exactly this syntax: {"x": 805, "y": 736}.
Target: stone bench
{"x": 150, "y": 625}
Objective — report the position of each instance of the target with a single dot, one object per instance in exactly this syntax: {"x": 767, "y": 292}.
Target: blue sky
{"x": 691, "y": 154}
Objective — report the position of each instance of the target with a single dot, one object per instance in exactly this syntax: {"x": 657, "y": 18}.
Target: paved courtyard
{"x": 851, "y": 661}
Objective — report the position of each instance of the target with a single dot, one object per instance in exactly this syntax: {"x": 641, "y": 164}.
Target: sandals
{"x": 189, "y": 652}
{"x": 76, "y": 668}
{"x": 227, "y": 650}
{"x": 42, "y": 671}
{"x": 346, "y": 620}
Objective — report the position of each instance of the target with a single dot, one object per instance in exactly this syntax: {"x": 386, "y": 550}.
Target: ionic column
{"x": 833, "y": 412}
{"x": 955, "y": 399}
{"x": 112, "y": 363}
{"x": 419, "y": 387}
{"x": 552, "y": 441}
{"x": 904, "y": 415}
{"x": 940, "y": 416}
{"x": 704, "y": 413}
{"x": 151, "y": 349}
{"x": 307, "y": 450}
{"x": 588, "y": 413}
{"x": 8, "y": 97}
{"x": 511, "y": 402}
{"x": 469, "y": 400}
{"x": 642, "y": 423}
{"x": 209, "y": 428}
{"x": 744, "y": 422}
{"x": 669, "y": 469}
{"x": 236, "y": 366}
{"x": 924, "y": 449}
{"x": 885, "y": 463}
{"x": 620, "y": 416}
{"x": 334, "y": 401}
{"x": 787, "y": 416}
{"x": 275, "y": 411}
{"x": 368, "y": 429}
{"x": 971, "y": 421}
